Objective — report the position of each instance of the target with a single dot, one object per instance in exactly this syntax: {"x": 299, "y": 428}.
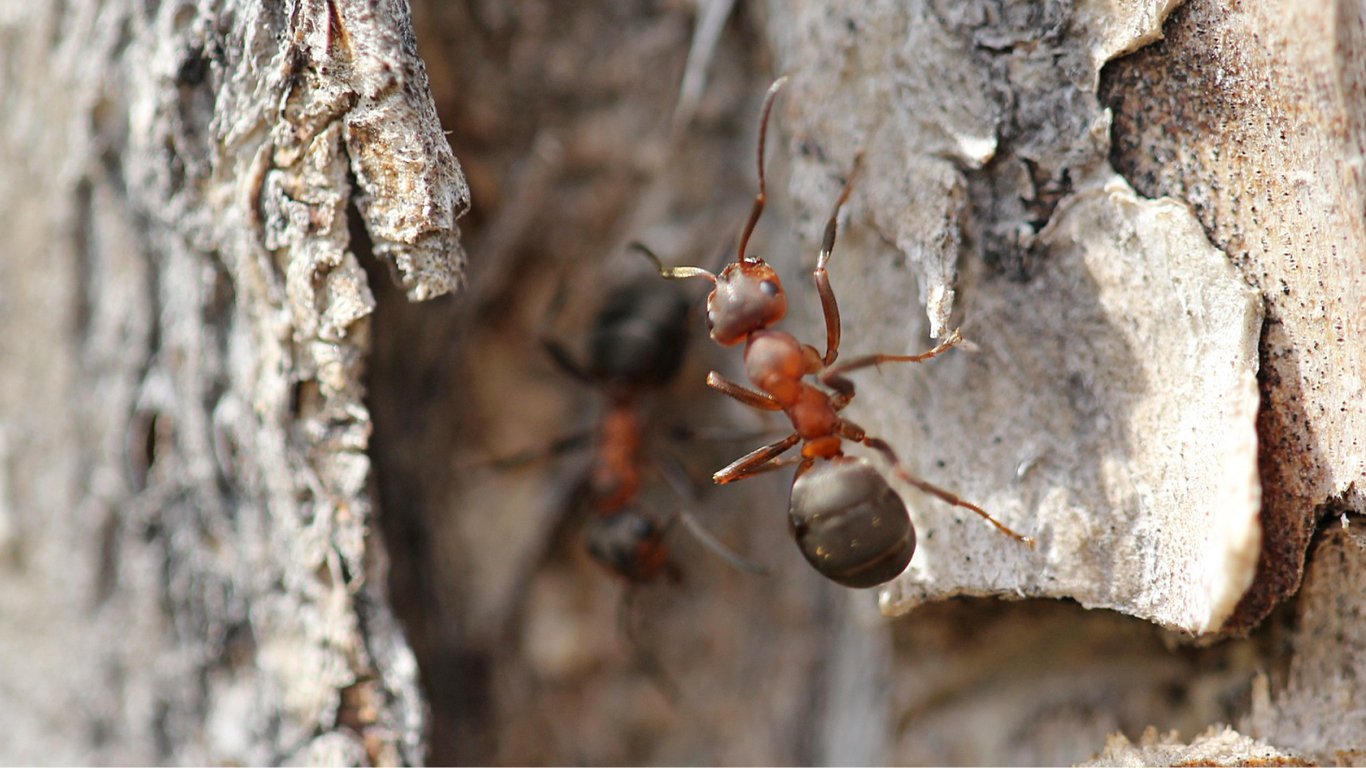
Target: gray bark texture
{"x": 250, "y": 508}
{"x": 192, "y": 572}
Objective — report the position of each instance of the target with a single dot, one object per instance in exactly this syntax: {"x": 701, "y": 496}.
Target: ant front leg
{"x": 557, "y": 447}
{"x": 559, "y": 355}
{"x": 752, "y": 398}
{"x": 829, "y": 307}
{"x": 756, "y": 462}
{"x": 852, "y": 431}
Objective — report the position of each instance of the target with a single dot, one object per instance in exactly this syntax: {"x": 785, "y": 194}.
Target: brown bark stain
{"x": 1245, "y": 119}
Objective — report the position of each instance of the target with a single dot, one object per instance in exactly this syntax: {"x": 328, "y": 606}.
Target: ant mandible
{"x": 848, "y": 522}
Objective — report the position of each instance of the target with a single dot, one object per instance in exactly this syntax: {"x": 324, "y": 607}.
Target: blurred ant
{"x": 848, "y": 522}
{"x": 637, "y": 345}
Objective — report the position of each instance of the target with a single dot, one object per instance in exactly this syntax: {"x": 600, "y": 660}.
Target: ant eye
{"x": 769, "y": 287}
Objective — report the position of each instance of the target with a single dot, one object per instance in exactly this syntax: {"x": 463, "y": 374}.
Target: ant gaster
{"x": 847, "y": 521}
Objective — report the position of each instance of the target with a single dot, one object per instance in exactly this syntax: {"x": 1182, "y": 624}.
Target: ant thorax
{"x": 774, "y": 364}
{"x": 748, "y": 297}
{"x": 777, "y": 363}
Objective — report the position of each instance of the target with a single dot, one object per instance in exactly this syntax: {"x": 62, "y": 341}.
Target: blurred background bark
{"x": 247, "y": 512}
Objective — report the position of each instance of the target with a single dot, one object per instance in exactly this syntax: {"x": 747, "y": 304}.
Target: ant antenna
{"x": 828, "y": 242}
{"x": 762, "y": 197}
{"x": 672, "y": 273}
{"x": 678, "y": 273}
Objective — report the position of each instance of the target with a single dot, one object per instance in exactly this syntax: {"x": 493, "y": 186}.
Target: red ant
{"x": 637, "y": 344}
{"x": 848, "y": 522}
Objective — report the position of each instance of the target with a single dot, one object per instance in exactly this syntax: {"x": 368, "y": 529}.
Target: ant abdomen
{"x": 628, "y": 544}
{"x": 640, "y": 335}
{"x": 849, "y": 523}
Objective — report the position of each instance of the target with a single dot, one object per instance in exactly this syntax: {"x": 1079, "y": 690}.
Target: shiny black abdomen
{"x": 850, "y": 524}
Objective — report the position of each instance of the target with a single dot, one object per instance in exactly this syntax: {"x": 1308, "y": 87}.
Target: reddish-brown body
{"x": 615, "y": 478}
{"x": 776, "y": 364}
{"x": 620, "y": 537}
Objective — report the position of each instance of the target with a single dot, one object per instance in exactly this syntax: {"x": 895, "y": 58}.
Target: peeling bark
{"x": 1315, "y": 707}
{"x": 1108, "y": 410}
{"x": 1258, "y": 119}
{"x": 1214, "y": 747}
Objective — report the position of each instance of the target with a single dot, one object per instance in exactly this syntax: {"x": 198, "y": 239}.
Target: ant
{"x": 637, "y": 345}
{"x": 846, "y": 519}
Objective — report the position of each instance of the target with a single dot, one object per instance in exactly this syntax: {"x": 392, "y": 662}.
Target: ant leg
{"x": 560, "y": 445}
{"x": 750, "y": 397}
{"x": 753, "y": 462}
{"x": 759, "y": 199}
{"x": 829, "y": 307}
{"x": 833, "y": 376}
{"x": 719, "y": 549}
{"x": 682, "y": 433}
{"x": 844, "y": 390}
{"x": 559, "y": 355}
{"x": 565, "y": 361}
{"x": 855, "y": 432}
{"x": 644, "y": 658}
{"x": 775, "y": 464}
{"x": 682, "y": 483}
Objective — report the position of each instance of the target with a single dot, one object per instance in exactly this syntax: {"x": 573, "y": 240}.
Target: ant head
{"x": 748, "y": 297}
{"x": 629, "y": 544}
{"x": 849, "y": 523}
{"x": 640, "y": 335}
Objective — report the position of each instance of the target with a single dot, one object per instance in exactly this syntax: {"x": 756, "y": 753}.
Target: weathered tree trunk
{"x": 1149, "y": 221}
{"x": 192, "y": 571}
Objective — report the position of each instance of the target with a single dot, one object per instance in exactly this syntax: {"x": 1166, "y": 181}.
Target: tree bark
{"x": 1145, "y": 218}
{"x": 192, "y": 568}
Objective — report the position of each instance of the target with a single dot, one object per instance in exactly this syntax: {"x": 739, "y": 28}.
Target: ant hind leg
{"x": 645, "y": 659}
{"x": 682, "y": 483}
{"x": 854, "y": 432}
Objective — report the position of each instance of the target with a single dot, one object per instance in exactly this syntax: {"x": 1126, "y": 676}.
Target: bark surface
{"x": 192, "y": 572}
{"x": 247, "y": 507}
